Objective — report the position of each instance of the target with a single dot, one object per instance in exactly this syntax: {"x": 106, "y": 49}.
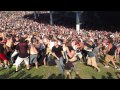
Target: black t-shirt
{"x": 112, "y": 50}
{"x": 70, "y": 48}
{"x": 22, "y": 49}
{"x": 57, "y": 51}
{"x": 92, "y": 46}
{"x": 1, "y": 48}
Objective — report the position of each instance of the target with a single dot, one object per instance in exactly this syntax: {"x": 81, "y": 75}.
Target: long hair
{"x": 1, "y": 39}
{"x": 68, "y": 43}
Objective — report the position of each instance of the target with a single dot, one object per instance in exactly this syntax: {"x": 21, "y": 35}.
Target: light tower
{"x": 78, "y": 20}
{"x": 35, "y": 15}
{"x": 51, "y": 17}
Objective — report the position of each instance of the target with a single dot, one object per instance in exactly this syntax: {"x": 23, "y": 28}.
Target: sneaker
{"x": 118, "y": 69}
{"x": 107, "y": 66}
{"x": 6, "y": 67}
{"x": 28, "y": 68}
{"x": 99, "y": 70}
{"x": 56, "y": 66}
{"x": 1, "y": 65}
{"x": 16, "y": 71}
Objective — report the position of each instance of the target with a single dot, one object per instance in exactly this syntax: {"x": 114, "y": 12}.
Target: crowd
{"x": 39, "y": 43}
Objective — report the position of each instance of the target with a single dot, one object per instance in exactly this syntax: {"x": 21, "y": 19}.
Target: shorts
{"x": 109, "y": 58}
{"x": 92, "y": 61}
{"x": 33, "y": 58}
{"x": 71, "y": 66}
{"x": 3, "y": 56}
{"x": 19, "y": 60}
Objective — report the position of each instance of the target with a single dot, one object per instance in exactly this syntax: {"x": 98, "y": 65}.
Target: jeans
{"x": 60, "y": 64}
{"x": 33, "y": 58}
{"x": 84, "y": 54}
{"x": 65, "y": 53}
{"x": 97, "y": 59}
{"x": 48, "y": 59}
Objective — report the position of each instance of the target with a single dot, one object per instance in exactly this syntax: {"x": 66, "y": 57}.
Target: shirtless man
{"x": 33, "y": 54}
{"x": 9, "y": 44}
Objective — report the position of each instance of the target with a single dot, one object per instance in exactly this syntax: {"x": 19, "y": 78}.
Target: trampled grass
{"x": 52, "y": 72}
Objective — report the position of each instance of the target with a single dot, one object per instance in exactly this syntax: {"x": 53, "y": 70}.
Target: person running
{"x": 117, "y": 56}
{"x": 91, "y": 56}
{"x": 15, "y": 52}
{"x": 96, "y": 52}
{"x": 57, "y": 52}
{"x": 2, "y": 54}
{"x": 23, "y": 55}
{"x": 110, "y": 54}
{"x": 33, "y": 54}
{"x": 83, "y": 52}
{"x": 70, "y": 65}
{"x": 9, "y": 45}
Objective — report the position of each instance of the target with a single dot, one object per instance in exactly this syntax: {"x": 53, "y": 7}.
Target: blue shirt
{"x": 90, "y": 54}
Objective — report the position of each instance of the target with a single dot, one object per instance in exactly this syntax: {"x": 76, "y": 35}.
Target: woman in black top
{"x": 69, "y": 66}
{"x": 110, "y": 54}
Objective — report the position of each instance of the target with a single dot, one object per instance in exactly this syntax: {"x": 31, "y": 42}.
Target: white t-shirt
{"x": 51, "y": 44}
{"x": 64, "y": 48}
{"x": 59, "y": 43}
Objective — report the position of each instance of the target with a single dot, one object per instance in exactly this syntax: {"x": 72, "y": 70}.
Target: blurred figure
{"x": 110, "y": 54}
{"x": 23, "y": 55}
{"x": 57, "y": 52}
{"x": 3, "y": 54}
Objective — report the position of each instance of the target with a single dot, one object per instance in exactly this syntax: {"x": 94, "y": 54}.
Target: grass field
{"x": 52, "y": 72}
